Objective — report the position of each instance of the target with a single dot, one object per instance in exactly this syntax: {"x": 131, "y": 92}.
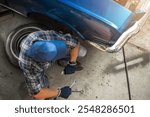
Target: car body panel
{"x": 101, "y": 22}
{"x": 107, "y": 11}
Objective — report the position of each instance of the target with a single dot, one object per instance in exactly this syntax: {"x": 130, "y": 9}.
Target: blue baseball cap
{"x": 47, "y": 50}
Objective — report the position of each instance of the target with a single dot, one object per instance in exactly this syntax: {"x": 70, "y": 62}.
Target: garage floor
{"x": 103, "y": 77}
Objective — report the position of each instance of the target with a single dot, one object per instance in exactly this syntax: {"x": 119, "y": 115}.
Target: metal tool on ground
{"x": 62, "y": 73}
{"x": 81, "y": 91}
{"x": 74, "y": 82}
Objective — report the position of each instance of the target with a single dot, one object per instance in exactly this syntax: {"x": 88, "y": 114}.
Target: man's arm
{"x": 47, "y": 93}
{"x": 44, "y": 93}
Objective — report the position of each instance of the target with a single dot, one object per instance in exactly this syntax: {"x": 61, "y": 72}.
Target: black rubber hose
{"x": 127, "y": 75}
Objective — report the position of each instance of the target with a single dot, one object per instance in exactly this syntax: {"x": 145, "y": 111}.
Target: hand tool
{"x": 62, "y": 73}
{"x": 81, "y": 91}
{"x": 74, "y": 82}
{"x": 70, "y": 87}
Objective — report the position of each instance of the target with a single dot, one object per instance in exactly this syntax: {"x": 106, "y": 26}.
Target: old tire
{"x": 15, "y": 38}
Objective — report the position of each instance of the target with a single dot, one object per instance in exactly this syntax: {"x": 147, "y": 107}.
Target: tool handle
{"x": 73, "y": 84}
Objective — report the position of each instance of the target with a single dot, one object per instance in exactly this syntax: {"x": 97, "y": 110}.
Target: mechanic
{"x": 38, "y": 51}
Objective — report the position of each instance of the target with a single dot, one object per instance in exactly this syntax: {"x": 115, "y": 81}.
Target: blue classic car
{"x": 103, "y": 23}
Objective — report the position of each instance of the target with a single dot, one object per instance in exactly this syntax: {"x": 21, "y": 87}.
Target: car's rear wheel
{"x": 15, "y": 38}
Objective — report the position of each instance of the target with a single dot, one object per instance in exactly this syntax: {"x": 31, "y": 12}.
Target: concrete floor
{"x": 103, "y": 77}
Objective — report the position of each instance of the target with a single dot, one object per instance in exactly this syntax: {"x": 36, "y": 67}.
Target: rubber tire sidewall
{"x": 15, "y": 34}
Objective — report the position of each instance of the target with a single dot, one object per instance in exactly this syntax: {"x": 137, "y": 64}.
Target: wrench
{"x": 74, "y": 82}
{"x": 81, "y": 91}
{"x": 76, "y": 91}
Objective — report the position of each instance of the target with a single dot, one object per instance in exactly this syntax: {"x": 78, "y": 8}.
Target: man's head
{"x": 47, "y": 50}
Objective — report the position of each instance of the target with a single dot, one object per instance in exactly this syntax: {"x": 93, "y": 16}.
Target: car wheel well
{"x": 58, "y": 26}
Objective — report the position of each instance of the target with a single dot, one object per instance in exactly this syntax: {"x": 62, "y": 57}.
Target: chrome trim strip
{"x": 130, "y": 32}
{"x": 12, "y": 9}
{"x": 127, "y": 34}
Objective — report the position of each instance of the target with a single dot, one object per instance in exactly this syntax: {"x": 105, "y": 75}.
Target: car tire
{"x": 15, "y": 38}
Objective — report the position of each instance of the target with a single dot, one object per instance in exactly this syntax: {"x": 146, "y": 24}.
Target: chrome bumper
{"x": 128, "y": 33}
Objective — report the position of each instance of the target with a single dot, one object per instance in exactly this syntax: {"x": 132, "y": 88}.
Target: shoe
{"x": 79, "y": 67}
{"x": 63, "y": 63}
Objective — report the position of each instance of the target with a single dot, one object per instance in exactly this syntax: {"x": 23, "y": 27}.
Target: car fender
{"x": 49, "y": 16}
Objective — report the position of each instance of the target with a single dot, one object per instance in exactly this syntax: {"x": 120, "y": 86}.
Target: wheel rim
{"x": 15, "y": 43}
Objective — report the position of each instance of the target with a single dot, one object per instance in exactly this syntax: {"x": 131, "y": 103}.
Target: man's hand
{"x": 70, "y": 68}
{"x": 65, "y": 92}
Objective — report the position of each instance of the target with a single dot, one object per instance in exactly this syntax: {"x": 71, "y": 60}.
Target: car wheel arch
{"x": 63, "y": 25}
